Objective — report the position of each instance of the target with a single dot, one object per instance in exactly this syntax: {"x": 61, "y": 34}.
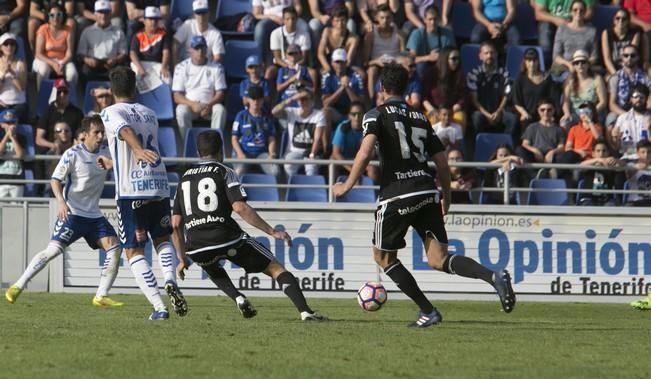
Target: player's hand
{"x": 105, "y": 163}
{"x": 180, "y": 269}
{"x": 63, "y": 211}
{"x": 146, "y": 155}
{"x": 282, "y": 235}
{"x": 339, "y": 189}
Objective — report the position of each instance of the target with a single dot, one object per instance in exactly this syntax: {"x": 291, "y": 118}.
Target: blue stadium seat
{"x": 181, "y": 9}
{"x": 109, "y": 189}
{"x": 159, "y": 100}
{"x": 89, "y": 100}
{"x": 358, "y": 195}
{"x": 28, "y": 191}
{"x": 548, "y": 197}
{"x": 313, "y": 195}
{"x": 43, "y": 97}
{"x": 469, "y": 55}
{"x": 236, "y": 53}
{"x": 525, "y": 21}
{"x": 167, "y": 143}
{"x": 173, "y": 179}
{"x": 233, "y": 102}
{"x": 602, "y": 17}
{"x": 462, "y": 20}
{"x": 20, "y": 49}
{"x": 485, "y": 144}
{"x": 260, "y": 193}
{"x": 190, "y": 141}
{"x": 514, "y": 56}
{"x": 232, "y": 8}
{"x": 27, "y": 132}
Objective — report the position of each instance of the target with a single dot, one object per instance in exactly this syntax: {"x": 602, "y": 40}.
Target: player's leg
{"x": 40, "y": 260}
{"x": 218, "y": 275}
{"x": 111, "y": 246}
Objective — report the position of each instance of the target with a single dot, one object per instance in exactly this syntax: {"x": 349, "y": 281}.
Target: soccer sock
{"x": 109, "y": 271}
{"x": 468, "y": 267}
{"x": 146, "y": 281}
{"x": 407, "y": 284}
{"x": 290, "y": 287}
{"x": 218, "y": 275}
{"x": 166, "y": 261}
{"x": 37, "y": 263}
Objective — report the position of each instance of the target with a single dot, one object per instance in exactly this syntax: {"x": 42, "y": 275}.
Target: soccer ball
{"x": 371, "y": 296}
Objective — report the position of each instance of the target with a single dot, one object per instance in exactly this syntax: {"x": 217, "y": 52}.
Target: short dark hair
{"x": 545, "y": 100}
{"x": 487, "y": 43}
{"x": 641, "y": 88}
{"x": 394, "y": 79}
{"x": 383, "y": 8}
{"x": 88, "y": 122}
{"x": 123, "y": 82}
{"x": 291, "y": 10}
{"x": 643, "y": 144}
{"x": 340, "y": 12}
{"x": 432, "y": 9}
{"x": 209, "y": 143}
{"x": 356, "y": 103}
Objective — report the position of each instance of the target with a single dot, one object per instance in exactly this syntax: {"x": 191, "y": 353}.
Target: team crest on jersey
{"x": 165, "y": 221}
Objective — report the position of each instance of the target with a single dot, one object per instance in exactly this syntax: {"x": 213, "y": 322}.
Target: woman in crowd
{"x": 13, "y": 78}
{"x": 582, "y": 86}
{"x": 621, "y": 33}
{"x": 531, "y": 85}
{"x": 445, "y": 84}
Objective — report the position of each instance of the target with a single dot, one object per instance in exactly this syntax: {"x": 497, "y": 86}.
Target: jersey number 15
{"x": 418, "y": 137}
{"x": 207, "y": 200}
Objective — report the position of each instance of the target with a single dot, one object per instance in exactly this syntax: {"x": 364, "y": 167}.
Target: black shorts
{"x": 249, "y": 254}
{"x": 392, "y": 219}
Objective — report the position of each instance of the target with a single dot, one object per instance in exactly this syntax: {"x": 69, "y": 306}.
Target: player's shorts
{"x": 392, "y": 219}
{"x": 248, "y": 253}
{"x": 92, "y": 229}
{"x": 151, "y": 216}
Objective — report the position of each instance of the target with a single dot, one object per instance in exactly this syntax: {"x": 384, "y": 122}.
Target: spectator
{"x": 640, "y": 12}
{"x": 136, "y": 14}
{"x": 12, "y": 151}
{"x": 54, "y": 48}
{"x": 414, "y": 89}
{"x": 322, "y": 11}
{"x": 198, "y": 25}
{"x": 415, "y": 13}
{"x": 619, "y": 35}
{"x": 254, "y": 134}
{"x": 598, "y": 179}
{"x": 639, "y": 177}
{"x": 199, "y": 88}
{"x": 102, "y": 97}
{"x": 510, "y": 162}
{"x": 102, "y": 46}
{"x": 582, "y": 86}
{"x": 269, "y": 14}
{"x": 450, "y": 133}
{"x": 490, "y": 87}
{"x": 38, "y": 15}
{"x": 59, "y": 110}
{"x": 576, "y": 35}
{"x": 13, "y": 78}
{"x": 367, "y": 9}
{"x": 446, "y": 84}
{"x": 150, "y": 53}
{"x": 425, "y": 44}
{"x": 254, "y": 72}
{"x": 633, "y": 126}
{"x": 463, "y": 178}
{"x": 530, "y": 86}
{"x": 285, "y": 36}
{"x": 85, "y": 16}
{"x": 337, "y": 36}
{"x": 12, "y": 17}
{"x": 495, "y": 21}
{"x": 63, "y": 140}
{"x": 543, "y": 139}
{"x": 305, "y": 126}
{"x": 621, "y": 84}
{"x": 294, "y": 76}
{"x": 348, "y": 138}
{"x": 551, "y": 15}
{"x": 381, "y": 46}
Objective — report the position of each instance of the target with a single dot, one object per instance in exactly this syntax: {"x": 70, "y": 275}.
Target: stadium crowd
{"x": 571, "y": 88}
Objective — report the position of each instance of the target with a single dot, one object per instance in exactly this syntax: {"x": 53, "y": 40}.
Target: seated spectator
{"x": 85, "y": 15}
{"x": 102, "y": 46}
{"x": 510, "y": 162}
{"x": 640, "y": 13}
{"x": 495, "y": 22}
{"x": 54, "y": 48}
{"x": 199, "y": 88}
{"x": 38, "y": 15}
{"x": 254, "y": 135}
{"x": 13, "y": 78}
{"x": 381, "y": 46}
{"x": 619, "y": 35}
{"x": 598, "y": 179}
{"x": 12, "y": 17}
{"x": 198, "y": 25}
{"x": 415, "y": 13}
{"x": 348, "y": 138}
{"x": 414, "y": 89}
{"x": 463, "y": 179}
{"x": 530, "y": 86}
{"x": 63, "y": 140}
{"x": 59, "y": 110}
{"x": 576, "y": 35}
{"x": 335, "y": 37}
{"x": 294, "y": 76}
{"x": 150, "y": 53}
{"x": 639, "y": 177}
{"x": 582, "y": 86}
{"x": 322, "y": 12}
{"x": 425, "y": 44}
{"x": 12, "y": 151}
{"x": 366, "y": 10}
{"x": 305, "y": 126}
{"x": 542, "y": 140}
{"x": 621, "y": 84}
{"x": 445, "y": 84}
{"x": 551, "y": 15}
{"x": 280, "y": 41}
{"x": 633, "y": 126}
{"x": 450, "y": 133}
{"x": 254, "y": 72}
{"x": 102, "y": 97}
{"x": 270, "y": 16}
{"x": 136, "y": 13}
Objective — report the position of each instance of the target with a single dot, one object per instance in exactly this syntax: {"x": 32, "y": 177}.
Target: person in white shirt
{"x": 199, "y": 89}
{"x": 450, "y": 133}
{"x": 633, "y": 126}
{"x": 269, "y": 15}
{"x": 78, "y": 212}
{"x": 199, "y": 25}
{"x": 141, "y": 190}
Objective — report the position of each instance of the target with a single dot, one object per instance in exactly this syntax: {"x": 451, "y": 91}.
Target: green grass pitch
{"x": 62, "y": 336}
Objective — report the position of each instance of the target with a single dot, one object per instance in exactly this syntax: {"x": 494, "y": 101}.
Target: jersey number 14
{"x": 418, "y": 137}
{"x": 207, "y": 200}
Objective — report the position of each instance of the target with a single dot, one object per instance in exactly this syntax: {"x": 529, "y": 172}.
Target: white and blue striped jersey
{"x": 133, "y": 179}
{"x": 83, "y": 180}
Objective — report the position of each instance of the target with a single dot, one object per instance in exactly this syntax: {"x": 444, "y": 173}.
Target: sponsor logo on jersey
{"x": 410, "y": 174}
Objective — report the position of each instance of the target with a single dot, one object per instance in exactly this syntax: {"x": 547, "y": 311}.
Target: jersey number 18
{"x": 206, "y": 196}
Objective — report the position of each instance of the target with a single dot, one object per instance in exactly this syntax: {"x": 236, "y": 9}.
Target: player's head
{"x": 209, "y": 145}
{"x": 123, "y": 82}
{"x": 94, "y": 129}
{"x": 394, "y": 79}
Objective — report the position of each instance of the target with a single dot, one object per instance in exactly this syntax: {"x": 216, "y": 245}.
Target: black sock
{"x": 290, "y": 287}
{"x": 407, "y": 284}
{"x": 468, "y": 267}
{"x": 219, "y": 276}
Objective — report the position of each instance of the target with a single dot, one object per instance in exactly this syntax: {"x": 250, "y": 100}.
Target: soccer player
{"x": 141, "y": 190}
{"x": 78, "y": 212}
{"x": 207, "y": 195}
{"x": 409, "y": 197}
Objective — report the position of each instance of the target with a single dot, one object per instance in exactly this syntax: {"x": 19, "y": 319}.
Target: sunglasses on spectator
{"x": 59, "y": 130}
{"x": 453, "y": 58}
{"x": 292, "y": 53}
{"x": 57, "y": 14}
{"x": 62, "y": 92}
{"x": 579, "y": 63}
{"x": 9, "y": 43}
{"x": 630, "y": 55}
{"x": 636, "y": 96}
{"x": 620, "y": 18}
{"x": 103, "y": 95}
{"x": 578, "y": 10}
{"x": 355, "y": 114}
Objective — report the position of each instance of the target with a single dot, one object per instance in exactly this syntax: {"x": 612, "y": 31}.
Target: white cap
{"x": 339, "y": 55}
{"x": 152, "y": 12}
{"x": 103, "y": 6}
{"x": 7, "y": 36}
{"x": 200, "y": 6}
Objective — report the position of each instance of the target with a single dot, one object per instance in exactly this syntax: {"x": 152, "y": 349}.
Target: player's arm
{"x": 62, "y": 207}
{"x": 362, "y": 158}
{"x": 252, "y": 217}
{"x": 129, "y": 136}
{"x": 179, "y": 245}
{"x": 444, "y": 178}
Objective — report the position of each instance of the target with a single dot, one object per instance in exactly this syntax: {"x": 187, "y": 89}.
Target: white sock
{"x": 39, "y": 261}
{"x": 166, "y": 255}
{"x": 109, "y": 271}
{"x": 146, "y": 281}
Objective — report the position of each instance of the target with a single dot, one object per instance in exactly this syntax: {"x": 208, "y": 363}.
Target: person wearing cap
{"x": 13, "y": 78}
{"x": 150, "y": 53}
{"x": 269, "y": 16}
{"x": 198, "y": 25}
{"x": 136, "y": 14}
{"x": 12, "y": 150}
{"x": 199, "y": 87}
{"x": 426, "y": 43}
{"x": 582, "y": 86}
{"x": 254, "y": 77}
{"x": 39, "y": 15}
{"x": 285, "y": 36}
{"x": 254, "y": 134}
{"x": 632, "y": 126}
{"x": 85, "y": 14}
{"x": 293, "y": 77}
{"x": 621, "y": 84}
{"x": 54, "y": 48}
{"x": 577, "y": 34}
{"x": 12, "y": 14}
{"x": 531, "y": 85}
